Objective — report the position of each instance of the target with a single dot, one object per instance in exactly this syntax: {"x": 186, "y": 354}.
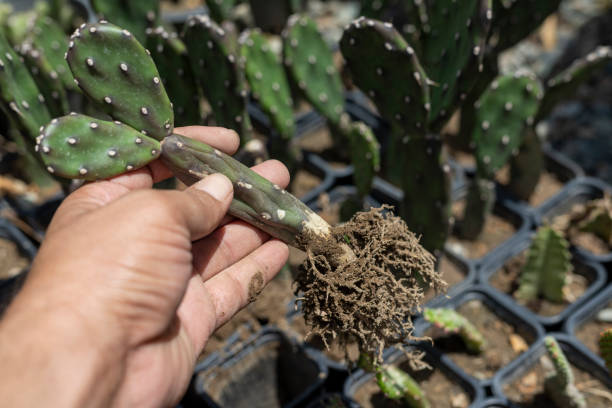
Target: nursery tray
{"x": 580, "y": 190}
{"x": 592, "y": 271}
{"x": 505, "y": 310}
{"x": 525, "y": 362}
{"x": 584, "y": 314}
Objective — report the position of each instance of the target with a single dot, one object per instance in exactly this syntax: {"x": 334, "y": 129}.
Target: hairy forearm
{"x": 49, "y": 359}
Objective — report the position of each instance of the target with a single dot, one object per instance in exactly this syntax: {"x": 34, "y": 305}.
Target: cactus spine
{"x": 452, "y": 322}
{"x": 559, "y": 383}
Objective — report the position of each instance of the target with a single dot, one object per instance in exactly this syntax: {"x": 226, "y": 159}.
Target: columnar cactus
{"x": 548, "y": 264}
{"x": 135, "y": 16}
{"x": 217, "y": 65}
{"x": 450, "y": 321}
{"x": 559, "y": 383}
{"x": 170, "y": 56}
{"x": 605, "y": 348}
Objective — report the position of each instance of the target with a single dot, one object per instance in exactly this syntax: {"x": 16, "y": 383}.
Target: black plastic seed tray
{"x": 360, "y": 378}
{"x": 594, "y": 273}
{"x": 580, "y": 190}
{"x": 269, "y": 371}
{"x": 11, "y": 285}
{"x": 526, "y": 362}
{"x": 494, "y": 403}
{"x": 503, "y": 308}
{"x": 587, "y": 312}
{"x": 38, "y": 216}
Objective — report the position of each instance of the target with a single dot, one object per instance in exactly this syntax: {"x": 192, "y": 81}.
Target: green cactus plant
{"x": 559, "y": 382}
{"x": 71, "y": 146}
{"x": 547, "y": 266}
{"x": 170, "y": 55}
{"x": 452, "y": 322}
{"x": 217, "y": 65}
{"x": 220, "y": 10}
{"x": 605, "y": 348}
{"x": 135, "y": 16}
{"x": 598, "y": 219}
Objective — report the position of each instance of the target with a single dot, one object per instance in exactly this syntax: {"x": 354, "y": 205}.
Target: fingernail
{"x": 217, "y": 185}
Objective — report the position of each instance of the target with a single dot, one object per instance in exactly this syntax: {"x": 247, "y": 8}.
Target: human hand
{"x": 128, "y": 286}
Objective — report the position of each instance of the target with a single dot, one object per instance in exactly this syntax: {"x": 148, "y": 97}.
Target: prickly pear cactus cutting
{"x": 311, "y": 64}
{"x": 218, "y": 68}
{"x": 452, "y": 322}
{"x": 359, "y": 282}
{"x": 547, "y": 266}
{"x": 268, "y": 81}
{"x": 559, "y": 383}
{"x": 170, "y": 56}
{"x": 365, "y": 156}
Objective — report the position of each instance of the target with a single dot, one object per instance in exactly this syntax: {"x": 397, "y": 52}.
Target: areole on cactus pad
{"x": 360, "y": 282}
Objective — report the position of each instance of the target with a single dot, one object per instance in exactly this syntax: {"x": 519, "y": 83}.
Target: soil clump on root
{"x": 369, "y": 299}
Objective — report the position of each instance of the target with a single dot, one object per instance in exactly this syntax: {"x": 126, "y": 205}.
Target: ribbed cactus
{"x": 310, "y": 63}
{"x": 217, "y": 65}
{"x": 605, "y": 348}
{"x": 450, "y": 321}
{"x": 268, "y": 81}
{"x": 135, "y": 16}
{"x": 547, "y": 266}
{"x": 170, "y": 55}
{"x": 109, "y": 80}
{"x": 598, "y": 219}
{"x": 559, "y": 383}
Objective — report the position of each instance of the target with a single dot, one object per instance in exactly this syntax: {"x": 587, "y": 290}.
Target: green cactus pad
{"x": 513, "y": 20}
{"x": 547, "y": 266}
{"x": 385, "y": 67}
{"x": 605, "y": 348}
{"x": 268, "y": 81}
{"x": 426, "y": 185}
{"x": 565, "y": 84}
{"x": 452, "y": 52}
{"x": 220, "y": 10}
{"x": 79, "y": 146}
{"x": 452, "y": 322}
{"x": 19, "y": 93}
{"x": 396, "y": 384}
{"x": 170, "y": 56}
{"x": 527, "y": 166}
{"x": 365, "y": 156}
{"x": 119, "y": 76}
{"x": 559, "y": 382}
{"x": 217, "y": 66}
{"x": 46, "y": 79}
{"x": 480, "y": 201}
{"x": 48, "y": 38}
{"x": 502, "y": 113}
{"x": 311, "y": 65}
{"x": 135, "y": 16}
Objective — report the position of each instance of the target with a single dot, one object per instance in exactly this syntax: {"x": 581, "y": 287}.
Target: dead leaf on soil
{"x": 518, "y": 343}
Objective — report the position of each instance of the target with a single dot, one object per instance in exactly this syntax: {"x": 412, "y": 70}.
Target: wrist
{"x": 56, "y": 353}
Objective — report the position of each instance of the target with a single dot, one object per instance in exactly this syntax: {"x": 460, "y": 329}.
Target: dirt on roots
{"x": 369, "y": 299}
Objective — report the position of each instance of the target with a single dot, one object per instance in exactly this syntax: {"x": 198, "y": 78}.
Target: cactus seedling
{"x": 547, "y": 266}
{"x": 559, "y": 383}
{"x": 170, "y": 56}
{"x": 360, "y": 280}
{"x": 605, "y": 348}
{"x": 452, "y": 322}
{"x": 216, "y": 63}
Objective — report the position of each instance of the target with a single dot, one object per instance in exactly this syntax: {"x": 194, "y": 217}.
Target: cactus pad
{"x": 566, "y": 83}
{"x": 79, "y": 146}
{"x": 135, "y": 16}
{"x": 527, "y": 166}
{"x": 19, "y": 93}
{"x": 559, "y": 383}
{"x": 108, "y": 64}
{"x": 311, "y": 64}
{"x": 452, "y": 322}
{"x": 480, "y": 201}
{"x": 220, "y": 10}
{"x": 216, "y": 64}
{"x": 605, "y": 348}
{"x": 385, "y": 67}
{"x": 547, "y": 266}
{"x": 170, "y": 56}
{"x": 268, "y": 81}
{"x": 365, "y": 156}
{"x": 502, "y": 113}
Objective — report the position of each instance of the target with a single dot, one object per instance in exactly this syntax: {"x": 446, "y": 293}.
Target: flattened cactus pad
{"x": 135, "y": 15}
{"x": 79, "y": 146}
{"x": 119, "y": 76}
